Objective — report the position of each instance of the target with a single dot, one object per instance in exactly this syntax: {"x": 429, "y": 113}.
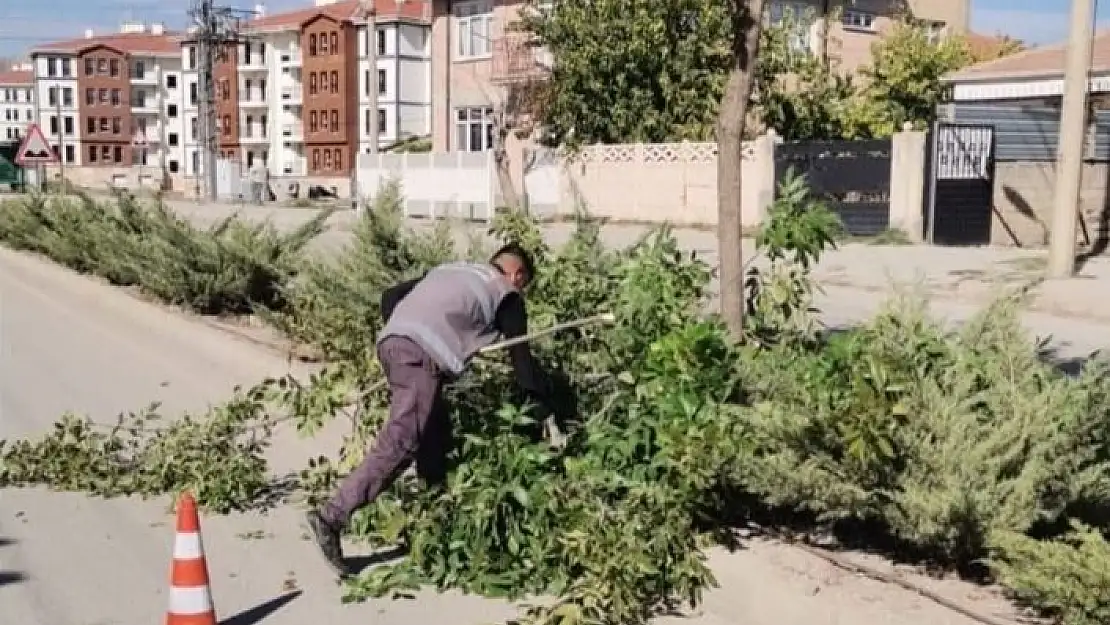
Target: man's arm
{"x": 394, "y": 294}
{"x": 512, "y": 321}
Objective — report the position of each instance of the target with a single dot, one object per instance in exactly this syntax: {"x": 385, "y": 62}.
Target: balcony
{"x": 517, "y": 60}
{"x": 254, "y": 63}
{"x": 294, "y": 167}
{"x": 253, "y": 135}
{"x": 146, "y": 106}
{"x": 288, "y": 58}
{"x": 253, "y": 98}
{"x": 145, "y": 77}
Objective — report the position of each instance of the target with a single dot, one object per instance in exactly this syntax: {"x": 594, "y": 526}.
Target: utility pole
{"x": 1069, "y": 151}
{"x": 216, "y": 31}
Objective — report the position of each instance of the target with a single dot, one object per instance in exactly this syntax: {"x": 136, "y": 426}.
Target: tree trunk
{"x": 510, "y": 198}
{"x": 746, "y": 26}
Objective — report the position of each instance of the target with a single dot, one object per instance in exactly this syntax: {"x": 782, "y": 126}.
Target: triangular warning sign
{"x": 34, "y": 148}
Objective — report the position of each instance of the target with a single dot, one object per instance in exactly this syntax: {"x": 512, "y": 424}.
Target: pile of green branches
{"x": 960, "y": 447}
{"x": 231, "y": 267}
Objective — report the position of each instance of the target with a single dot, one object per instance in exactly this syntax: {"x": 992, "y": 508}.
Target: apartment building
{"x": 475, "y": 56}
{"x": 111, "y": 101}
{"x": 845, "y": 30}
{"x": 17, "y": 102}
{"x": 297, "y": 94}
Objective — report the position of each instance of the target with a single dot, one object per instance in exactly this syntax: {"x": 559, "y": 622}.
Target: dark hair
{"x": 515, "y": 249}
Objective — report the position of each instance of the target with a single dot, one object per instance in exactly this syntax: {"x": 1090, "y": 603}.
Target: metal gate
{"x": 852, "y": 176}
{"x": 959, "y": 198}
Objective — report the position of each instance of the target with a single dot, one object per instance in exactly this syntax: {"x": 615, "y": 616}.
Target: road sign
{"x": 34, "y": 148}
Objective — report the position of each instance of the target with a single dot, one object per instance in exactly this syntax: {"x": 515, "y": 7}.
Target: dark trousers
{"x": 418, "y": 428}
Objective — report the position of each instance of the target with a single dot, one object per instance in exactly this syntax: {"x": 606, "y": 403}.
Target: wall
{"x": 1024, "y": 197}
{"x": 673, "y": 182}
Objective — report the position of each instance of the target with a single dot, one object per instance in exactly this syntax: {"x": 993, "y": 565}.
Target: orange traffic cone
{"x": 190, "y": 596}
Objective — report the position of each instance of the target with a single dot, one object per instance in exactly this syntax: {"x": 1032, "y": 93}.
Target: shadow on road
{"x": 9, "y": 577}
{"x": 259, "y": 612}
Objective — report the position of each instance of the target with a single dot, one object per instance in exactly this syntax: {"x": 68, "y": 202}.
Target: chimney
{"x": 157, "y": 28}
{"x": 88, "y": 33}
{"x": 132, "y": 28}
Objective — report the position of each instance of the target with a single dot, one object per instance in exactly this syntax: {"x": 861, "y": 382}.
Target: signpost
{"x": 35, "y": 150}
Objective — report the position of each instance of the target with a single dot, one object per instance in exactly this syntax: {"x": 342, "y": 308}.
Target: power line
{"x": 216, "y": 31}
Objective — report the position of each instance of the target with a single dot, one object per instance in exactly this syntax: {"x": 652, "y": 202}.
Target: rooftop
{"x": 10, "y": 78}
{"x": 166, "y": 43}
{"x": 352, "y": 10}
{"x": 1040, "y": 62}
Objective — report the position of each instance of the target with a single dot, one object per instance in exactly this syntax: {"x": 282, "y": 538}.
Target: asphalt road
{"x": 70, "y": 343}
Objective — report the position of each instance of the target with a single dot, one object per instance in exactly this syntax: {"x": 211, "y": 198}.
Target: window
{"x": 90, "y": 67}
{"x": 171, "y": 111}
{"x": 52, "y": 67}
{"x": 90, "y": 96}
{"x": 67, "y": 125}
{"x": 858, "y": 20}
{"x": 323, "y": 43}
{"x": 65, "y": 68}
{"x": 315, "y": 159}
{"x": 172, "y": 139}
{"x": 117, "y": 154}
{"x": 71, "y": 154}
{"x": 474, "y": 22}
{"x": 334, "y": 81}
{"x": 323, "y": 120}
{"x": 102, "y": 66}
{"x": 338, "y": 159}
{"x": 67, "y": 97}
{"x": 171, "y": 81}
{"x": 104, "y": 126}
{"x": 113, "y": 67}
{"x": 102, "y": 95}
{"x": 327, "y": 159}
{"x": 313, "y": 122}
{"x": 90, "y": 125}
{"x": 52, "y": 96}
{"x": 191, "y": 57}
{"x": 117, "y": 97}
{"x": 193, "y": 128}
{"x": 334, "y": 120}
{"x": 381, "y": 122}
{"x": 381, "y": 82}
{"x": 139, "y": 70}
{"x": 227, "y": 125}
{"x": 474, "y": 129}
{"x": 334, "y": 42}
{"x": 92, "y": 153}
{"x": 174, "y": 167}
{"x": 312, "y": 45}
{"x": 366, "y": 126}
{"x": 225, "y": 89}
{"x": 193, "y": 93}
{"x": 381, "y": 41}
{"x": 312, "y": 83}
{"x": 800, "y": 16}
{"x": 117, "y": 125}
{"x": 105, "y": 153}
{"x": 53, "y": 125}
{"x": 933, "y": 29}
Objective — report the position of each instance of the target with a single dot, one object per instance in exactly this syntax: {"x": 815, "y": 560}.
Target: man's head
{"x": 515, "y": 263}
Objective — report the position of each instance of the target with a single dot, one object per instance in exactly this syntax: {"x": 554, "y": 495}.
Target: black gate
{"x": 852, "y": 176}
{"x": 959, "y": 194}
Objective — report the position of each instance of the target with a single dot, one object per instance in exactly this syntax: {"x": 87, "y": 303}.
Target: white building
{"x": 17, "y": 102}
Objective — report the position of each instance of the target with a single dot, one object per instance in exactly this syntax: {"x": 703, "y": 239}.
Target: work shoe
{"x": 326, "y": 536}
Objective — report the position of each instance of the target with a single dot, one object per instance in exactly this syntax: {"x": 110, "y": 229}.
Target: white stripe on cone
{"x": 189, "y": 601}
{"x": 187, "y": 546}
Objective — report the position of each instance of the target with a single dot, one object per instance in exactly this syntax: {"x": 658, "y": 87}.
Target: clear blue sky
{"x": 25, "y": 23}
